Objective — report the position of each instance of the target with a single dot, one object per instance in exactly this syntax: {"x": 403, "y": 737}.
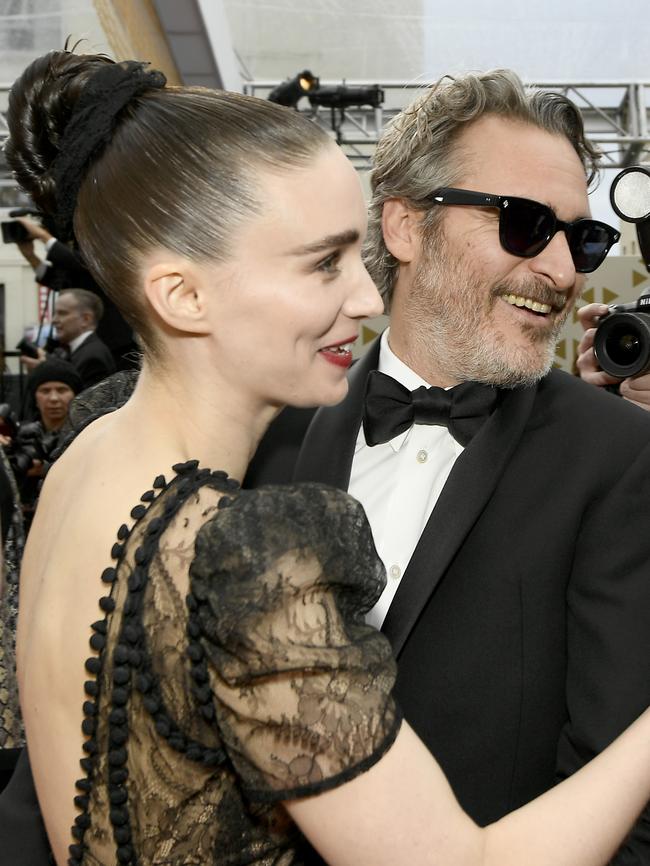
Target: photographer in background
{"x": 51, "y": 386}
{"x": 636, "y": 390}
{"x": 63, "y": 269}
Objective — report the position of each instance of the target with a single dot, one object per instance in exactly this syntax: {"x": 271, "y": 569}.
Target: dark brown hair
{"x": 180, "y": 171}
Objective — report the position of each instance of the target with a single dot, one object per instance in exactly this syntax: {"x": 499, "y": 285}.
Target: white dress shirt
{"x": 399, "y": 482}
{"x": 73, "y": 345}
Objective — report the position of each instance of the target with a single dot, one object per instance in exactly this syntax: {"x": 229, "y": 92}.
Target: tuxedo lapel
{"x": 469, "y": 486}
{"x": 328, "y": 447}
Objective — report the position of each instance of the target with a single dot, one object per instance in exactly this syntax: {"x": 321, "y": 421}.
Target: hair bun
{"x": 41, "y": 103}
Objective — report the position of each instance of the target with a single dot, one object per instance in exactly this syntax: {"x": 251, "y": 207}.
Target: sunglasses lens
{"x": 589, "y": 243}
{"x": 525, "y": 227}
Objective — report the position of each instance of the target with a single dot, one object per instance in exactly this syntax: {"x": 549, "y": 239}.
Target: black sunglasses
{"x": 527, "y": 226}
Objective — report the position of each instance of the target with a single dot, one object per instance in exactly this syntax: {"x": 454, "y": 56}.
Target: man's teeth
{"x": 535, "y": 306}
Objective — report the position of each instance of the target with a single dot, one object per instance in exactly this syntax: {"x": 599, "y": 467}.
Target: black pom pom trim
{"x": 97, "y": 642}
{"x": 117, "y": 757}
{"x": 138, "y": 511}
{"x": 183, "y": 468}
{"x": 121, "y": 654}
{"x": 118, "y": 777}
{"x": 122, "y": 835}
{"x": 128, "y": 657}
{"x": 93, "y": 665}
{"x": 118, "y": 816}
{"x": 118, "y": 795}
{"x": 107, "y": 604}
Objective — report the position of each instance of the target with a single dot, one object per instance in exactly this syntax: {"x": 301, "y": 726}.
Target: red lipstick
{"x": 339, "y": 354}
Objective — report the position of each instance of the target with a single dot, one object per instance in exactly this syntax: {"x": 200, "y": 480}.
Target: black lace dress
{"x": 262, "y": 684}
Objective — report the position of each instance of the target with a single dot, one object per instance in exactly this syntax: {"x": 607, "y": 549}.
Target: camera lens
{"x": 622, "y": 344}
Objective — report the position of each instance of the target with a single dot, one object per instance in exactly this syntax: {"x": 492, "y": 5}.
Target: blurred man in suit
{"x": 76, "y": 315}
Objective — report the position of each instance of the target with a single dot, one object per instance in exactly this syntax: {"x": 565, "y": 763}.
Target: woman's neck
{"x": 194, "y": 416}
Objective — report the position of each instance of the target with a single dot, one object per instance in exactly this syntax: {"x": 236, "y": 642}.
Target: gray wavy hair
{"x": 418, "y": 151}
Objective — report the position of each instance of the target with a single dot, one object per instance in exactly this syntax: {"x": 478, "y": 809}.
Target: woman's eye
{"x": 330, "y": 264}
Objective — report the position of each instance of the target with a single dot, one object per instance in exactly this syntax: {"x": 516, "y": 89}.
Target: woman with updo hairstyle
{"x": 201, "y": 648}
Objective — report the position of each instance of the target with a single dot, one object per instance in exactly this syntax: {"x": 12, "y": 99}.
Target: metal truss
{"x": 616, "y": 115}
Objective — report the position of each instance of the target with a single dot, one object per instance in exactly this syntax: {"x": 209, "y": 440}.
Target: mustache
{"x": 535, "y": 289}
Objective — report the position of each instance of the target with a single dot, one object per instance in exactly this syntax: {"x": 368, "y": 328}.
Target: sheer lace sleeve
{"x": 282, "y": 579}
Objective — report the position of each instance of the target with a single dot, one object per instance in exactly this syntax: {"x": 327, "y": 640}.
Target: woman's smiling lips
{"x": 339, "y": 353}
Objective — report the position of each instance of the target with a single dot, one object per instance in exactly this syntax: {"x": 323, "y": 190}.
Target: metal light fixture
{"x": 293, "y": 89}
{"x": 341, "y": 96}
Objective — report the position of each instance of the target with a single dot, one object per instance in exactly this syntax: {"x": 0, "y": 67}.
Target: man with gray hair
{"x": 509, "y": 501}
{"x": 77, "y": 313}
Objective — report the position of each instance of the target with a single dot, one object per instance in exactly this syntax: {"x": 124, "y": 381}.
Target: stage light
{"x": 341, "y": 96}
{"x": 290, "y": 91}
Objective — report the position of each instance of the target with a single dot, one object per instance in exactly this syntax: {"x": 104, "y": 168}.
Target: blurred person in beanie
{"x": 50, "y": 388}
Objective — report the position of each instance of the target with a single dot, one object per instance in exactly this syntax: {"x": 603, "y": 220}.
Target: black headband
{"x": 90, "y": 128}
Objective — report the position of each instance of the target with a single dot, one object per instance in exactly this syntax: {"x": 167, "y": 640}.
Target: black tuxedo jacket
{"x": 92, "y": 360}
{"x": 522, "y": 623}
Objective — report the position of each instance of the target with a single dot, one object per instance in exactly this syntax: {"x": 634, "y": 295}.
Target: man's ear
{"x": 88, "y": 318}
{"x": 400, "y": 228}
{"x": 174, "y": 290}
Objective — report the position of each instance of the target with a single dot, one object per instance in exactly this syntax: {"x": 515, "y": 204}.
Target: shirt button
{"x": 421, "y": 456}
{"x": 395, "y": 571}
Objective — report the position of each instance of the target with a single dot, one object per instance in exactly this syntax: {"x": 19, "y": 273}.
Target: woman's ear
{"x": 175, "y": 290}
{"x": 400, "y": 228}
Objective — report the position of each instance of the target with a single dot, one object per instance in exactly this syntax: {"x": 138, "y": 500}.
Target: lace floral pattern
{"x": 233, "y": 670}
{"x": 11, "y": 726}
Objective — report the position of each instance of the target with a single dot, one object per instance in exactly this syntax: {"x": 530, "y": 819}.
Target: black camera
{"x": 14, "y": 233}
{"x": 622, "y": 341}
{"x": 27, "y": 348}
{"x": 32, "y": 443}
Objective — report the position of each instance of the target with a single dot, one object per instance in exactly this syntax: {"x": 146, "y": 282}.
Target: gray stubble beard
{"x": 448, "y": 330}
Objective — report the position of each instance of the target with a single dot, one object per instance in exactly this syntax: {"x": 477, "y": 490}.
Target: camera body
{"x": 14, "y": 232}
{"x": 622, "y": 340}
{"x": 32, "y": 443}
{"x": 27, "y": 348}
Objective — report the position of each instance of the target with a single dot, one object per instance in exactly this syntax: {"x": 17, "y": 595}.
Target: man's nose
{"x": 556, "y": 263}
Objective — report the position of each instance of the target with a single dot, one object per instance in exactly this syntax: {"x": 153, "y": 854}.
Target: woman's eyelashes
{"x": 330, "y": 265}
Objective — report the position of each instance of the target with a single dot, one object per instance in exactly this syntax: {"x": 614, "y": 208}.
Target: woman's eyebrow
{"x": 346, "y": 238}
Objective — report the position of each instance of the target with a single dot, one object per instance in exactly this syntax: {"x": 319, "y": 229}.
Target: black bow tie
{"x": 390, "y": 408}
